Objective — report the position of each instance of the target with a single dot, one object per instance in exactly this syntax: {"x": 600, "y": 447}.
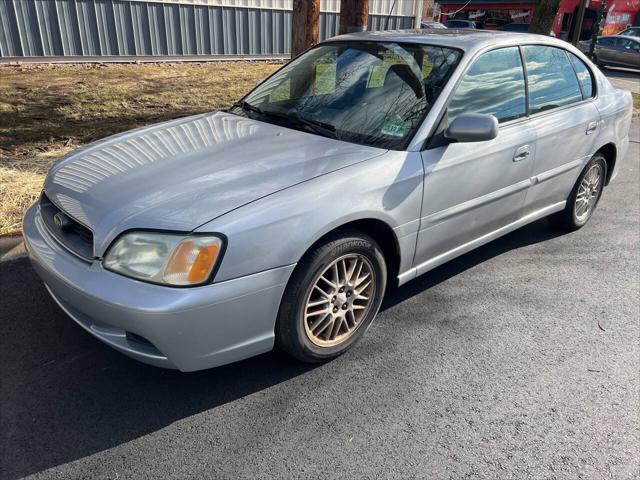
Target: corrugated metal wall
{"x": 121, "y": 27}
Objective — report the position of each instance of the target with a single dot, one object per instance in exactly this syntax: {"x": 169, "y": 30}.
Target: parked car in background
{"x": 433, "y": 25}
{"x": 370, "y": 159}
{"x": 516, "y": 27}
{"x": 491, "y": 23}
{"x": 460, "y": 24}
{"x": 630, "y": 32}
{"x": 615, "y": 51}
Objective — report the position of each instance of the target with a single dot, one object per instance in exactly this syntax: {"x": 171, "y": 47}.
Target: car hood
{"x": 181, "y": 174}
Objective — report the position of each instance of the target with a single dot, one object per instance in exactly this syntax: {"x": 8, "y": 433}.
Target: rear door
{"x": 472, "y": 189}
{"x": 565, "y": 119}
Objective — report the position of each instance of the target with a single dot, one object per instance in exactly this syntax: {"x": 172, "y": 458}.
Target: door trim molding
{"x": 442, "y": 215}
{"x": 466, "y": 247}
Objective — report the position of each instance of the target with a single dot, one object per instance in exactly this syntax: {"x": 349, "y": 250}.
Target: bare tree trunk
{"x": 305, "y": 25}
{"x": 543, "y": 16}
{"x": 354, "y": 16}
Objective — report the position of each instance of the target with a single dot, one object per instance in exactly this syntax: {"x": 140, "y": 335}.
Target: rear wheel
{"x": 332, "y": 297}
{"x": 584, "y": 197}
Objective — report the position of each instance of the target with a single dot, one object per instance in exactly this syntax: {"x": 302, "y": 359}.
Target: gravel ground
{"x": 519, "y": 360}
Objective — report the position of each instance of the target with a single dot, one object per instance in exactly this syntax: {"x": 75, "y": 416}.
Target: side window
{"x": 551, "y": 78}
{"x": 584, "y": 76}
{"x": 494, "y": 85}
{"x": 628, "y": 45}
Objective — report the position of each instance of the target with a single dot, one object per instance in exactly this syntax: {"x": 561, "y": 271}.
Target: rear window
{"x": 606, "y": 42}
{"x": 551, "y": 78}
{"x": 457, "y": 24}
{"x": 584, "y": 76}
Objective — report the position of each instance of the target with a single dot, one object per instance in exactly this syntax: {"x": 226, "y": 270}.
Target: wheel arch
{"x": 377, "y": 229}
{"x": 610, "y": 153}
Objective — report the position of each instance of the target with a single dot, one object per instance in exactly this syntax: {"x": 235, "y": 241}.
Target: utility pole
{"x": 577, "y": 26}
{"x": 305, "y": 25}
{"x": 354, "y": 16}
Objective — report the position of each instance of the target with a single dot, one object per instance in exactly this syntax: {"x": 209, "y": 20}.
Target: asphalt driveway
{"x": 624, "y": 78}
{"x": 518, "y": 360}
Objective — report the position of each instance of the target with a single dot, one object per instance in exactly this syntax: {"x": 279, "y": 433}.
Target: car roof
{"x": 464, "y": 38}
{"x": 626, "y": 37}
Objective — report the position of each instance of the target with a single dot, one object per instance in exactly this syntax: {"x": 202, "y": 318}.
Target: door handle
{"x": 592, "y": 127}
{"x": 522, "y": 153}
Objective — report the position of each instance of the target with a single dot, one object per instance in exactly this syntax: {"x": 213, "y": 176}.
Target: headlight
{"x": 172, "y": 259}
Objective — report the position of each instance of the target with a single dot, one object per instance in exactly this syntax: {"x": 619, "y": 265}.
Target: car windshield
{"x": 370, "y": 93}
{"x": 631, "y": 32}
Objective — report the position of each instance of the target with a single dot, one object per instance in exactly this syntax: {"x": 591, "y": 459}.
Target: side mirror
{"x": 472, "y": 127}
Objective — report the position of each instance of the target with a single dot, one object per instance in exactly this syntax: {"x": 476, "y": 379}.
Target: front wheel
{"x": 584, "y": 197}
{"x": 332, "y": 297}
{"x": 598, "y": 63}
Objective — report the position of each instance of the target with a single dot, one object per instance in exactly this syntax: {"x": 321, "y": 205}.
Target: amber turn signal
{"x": 192, "y": 261}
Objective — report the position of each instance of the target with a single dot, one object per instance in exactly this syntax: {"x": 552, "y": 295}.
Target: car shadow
{"x": 530, "y": 234}
{"x": 65, "y": 396}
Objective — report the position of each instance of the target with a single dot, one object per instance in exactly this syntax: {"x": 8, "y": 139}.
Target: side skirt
{"x": 467, "y": 247}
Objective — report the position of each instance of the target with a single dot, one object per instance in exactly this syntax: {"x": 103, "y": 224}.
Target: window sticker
{"x": 394, "y": 128}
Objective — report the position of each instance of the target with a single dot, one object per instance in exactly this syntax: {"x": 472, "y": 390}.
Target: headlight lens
{"x": 172, "y": 259}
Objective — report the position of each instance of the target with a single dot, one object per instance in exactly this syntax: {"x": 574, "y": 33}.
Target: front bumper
{"x": 184, "y": 328}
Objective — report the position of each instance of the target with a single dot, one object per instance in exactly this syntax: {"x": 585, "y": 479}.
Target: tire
{"x": 318, "y": 337}
{"x": 575, "y": 216}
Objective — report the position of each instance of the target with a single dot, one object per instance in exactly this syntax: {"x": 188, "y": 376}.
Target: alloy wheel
{"x": 339, "y": 299}
{"x": 588, "y": 193}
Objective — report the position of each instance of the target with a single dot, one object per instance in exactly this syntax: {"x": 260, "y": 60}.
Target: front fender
{"x": 278, "y": 229}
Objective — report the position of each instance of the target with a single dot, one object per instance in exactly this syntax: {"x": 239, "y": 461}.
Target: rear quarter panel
{"x": 616, "y": 110}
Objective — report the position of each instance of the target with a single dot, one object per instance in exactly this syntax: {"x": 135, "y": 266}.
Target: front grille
{"x": 69, "y": 232}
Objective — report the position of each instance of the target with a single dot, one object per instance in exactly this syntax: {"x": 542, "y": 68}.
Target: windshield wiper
{"x": 246, "y": 106}
{"x": 291, "y": 117}
{"x": 317, "y": 126}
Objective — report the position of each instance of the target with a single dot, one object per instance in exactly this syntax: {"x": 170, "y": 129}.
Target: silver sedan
{"x": 367, "y": 161}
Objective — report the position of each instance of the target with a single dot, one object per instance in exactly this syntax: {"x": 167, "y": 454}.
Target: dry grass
{"x": 47, "y": 111}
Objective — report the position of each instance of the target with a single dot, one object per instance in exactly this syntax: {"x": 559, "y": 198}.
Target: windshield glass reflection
{"x": 371, "y": 93}
{"x": 493, "y": 85}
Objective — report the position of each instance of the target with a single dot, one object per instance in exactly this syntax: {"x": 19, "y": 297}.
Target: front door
{"x": 474, "y": 189}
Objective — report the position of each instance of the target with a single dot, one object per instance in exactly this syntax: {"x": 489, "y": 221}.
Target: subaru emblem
{"x": 62, "y": 221}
